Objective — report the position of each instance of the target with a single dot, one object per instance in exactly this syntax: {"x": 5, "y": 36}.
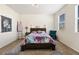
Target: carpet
{"x": 57, "y": 53}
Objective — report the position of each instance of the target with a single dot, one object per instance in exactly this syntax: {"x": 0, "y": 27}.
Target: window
{"x": 61, "y": 21}
{"x": 77, "y": 18}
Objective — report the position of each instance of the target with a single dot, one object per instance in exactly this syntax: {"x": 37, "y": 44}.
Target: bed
{"x": 38, "y": 39}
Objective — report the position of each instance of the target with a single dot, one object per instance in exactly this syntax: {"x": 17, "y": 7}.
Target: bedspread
{"x": 39, "y": 38}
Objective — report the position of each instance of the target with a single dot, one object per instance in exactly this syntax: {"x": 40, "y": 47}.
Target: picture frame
{"x": 6, "y": 24}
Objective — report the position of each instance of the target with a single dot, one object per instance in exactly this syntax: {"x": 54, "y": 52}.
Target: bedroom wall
{"x": 37, "y": 20}
{"x": 68, "y": 36}
{"x": 8, "y": 37}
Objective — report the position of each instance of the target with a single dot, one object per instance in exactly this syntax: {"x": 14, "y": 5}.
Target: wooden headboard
{"x": 37, "y": 29}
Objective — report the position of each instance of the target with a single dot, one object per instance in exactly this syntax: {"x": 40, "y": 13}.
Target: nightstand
{"x": 27, "y": 33}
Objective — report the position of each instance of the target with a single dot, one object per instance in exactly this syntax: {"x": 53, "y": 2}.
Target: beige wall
{"x": 68, "y": 35}
{"x": 8, "y": 37}
{"x": 37, "y": 20}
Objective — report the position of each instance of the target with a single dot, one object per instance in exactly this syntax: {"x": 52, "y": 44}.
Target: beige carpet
{"x": 36, "y": 52}
{"x": 40, "y": 52}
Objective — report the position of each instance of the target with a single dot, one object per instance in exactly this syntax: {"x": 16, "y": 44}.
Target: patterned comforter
{"x": 40, "y": 37}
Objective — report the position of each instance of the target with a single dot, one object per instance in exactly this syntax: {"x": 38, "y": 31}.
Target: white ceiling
{"x": 36, "y": 9}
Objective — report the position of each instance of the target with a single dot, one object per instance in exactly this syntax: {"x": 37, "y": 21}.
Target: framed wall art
{"x": 6, "y": 24}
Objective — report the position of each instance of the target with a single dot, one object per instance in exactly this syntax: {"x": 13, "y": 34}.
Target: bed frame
{"x": 37, "y": 29}
{"x": 37, "y": 45}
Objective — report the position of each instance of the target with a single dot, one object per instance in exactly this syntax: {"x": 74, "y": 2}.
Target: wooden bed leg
{"x": 53, "y": 47}
{"x": 23, "y": 48}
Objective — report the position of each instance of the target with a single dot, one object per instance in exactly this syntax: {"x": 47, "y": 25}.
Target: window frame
{"x": 59, "y": 20}
{"x": 76, "y": 18}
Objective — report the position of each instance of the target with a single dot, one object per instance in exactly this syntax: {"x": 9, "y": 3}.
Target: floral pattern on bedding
{"x": 42, "y": 37}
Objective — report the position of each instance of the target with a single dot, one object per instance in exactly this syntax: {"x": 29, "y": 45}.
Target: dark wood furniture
{"x": 27, "y": 33}
{"x": 37, "y": 29}
{"x": 37, "y": 45}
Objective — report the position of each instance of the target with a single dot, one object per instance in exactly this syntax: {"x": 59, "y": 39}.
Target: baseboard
{"x": 68, "y": 46}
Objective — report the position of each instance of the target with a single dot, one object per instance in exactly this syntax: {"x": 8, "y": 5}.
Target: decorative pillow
{"x": 39, "y": 32}
{"x": 34, "y": 32}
